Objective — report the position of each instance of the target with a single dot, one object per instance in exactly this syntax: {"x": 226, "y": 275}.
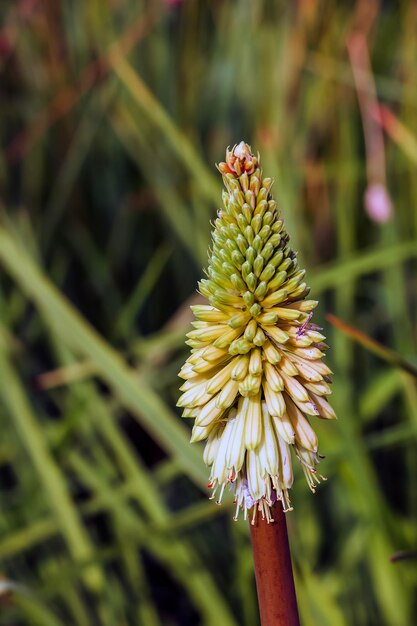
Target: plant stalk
{"x": 273, "y": 571}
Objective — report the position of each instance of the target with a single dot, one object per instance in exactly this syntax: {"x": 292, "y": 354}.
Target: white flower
{"x": 255, "y": 373}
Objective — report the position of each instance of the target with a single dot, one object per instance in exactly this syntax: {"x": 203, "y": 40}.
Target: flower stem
{"x": 273, "y": 571}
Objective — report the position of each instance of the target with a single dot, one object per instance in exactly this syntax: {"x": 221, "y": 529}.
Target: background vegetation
{"x": 112, "y": 116}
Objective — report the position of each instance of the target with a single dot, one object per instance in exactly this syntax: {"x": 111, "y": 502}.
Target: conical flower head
{"x": 255, "y": 374}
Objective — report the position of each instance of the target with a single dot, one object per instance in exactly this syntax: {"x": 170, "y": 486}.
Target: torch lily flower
{"x": 255, "y": 374}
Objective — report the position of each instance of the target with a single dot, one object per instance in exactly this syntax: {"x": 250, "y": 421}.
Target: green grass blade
{"x": 50, "y": 475}
{"x": 77, "y": 334}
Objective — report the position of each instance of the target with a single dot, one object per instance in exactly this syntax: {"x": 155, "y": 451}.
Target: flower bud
{"x": 255, "y": 373}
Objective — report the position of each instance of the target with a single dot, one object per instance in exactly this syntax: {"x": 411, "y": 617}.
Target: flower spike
{"x": 255, "y": 374}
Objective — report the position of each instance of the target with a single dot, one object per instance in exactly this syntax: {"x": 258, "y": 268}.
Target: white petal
{"x": 220, "y": 469}
{"x": 256, "y": 481}
{"x": 286, "y": 471}
{"x": 269, "y": 447}
{"x": 283, "y": 428}
{"x": 324, "y": 407}
{"x": 253, "y": 424}
{"x": 274, "y": 400}
{"x": 304, "y": 433}
{"x": 236, "y": 451}
{"x": 209, "y": 413}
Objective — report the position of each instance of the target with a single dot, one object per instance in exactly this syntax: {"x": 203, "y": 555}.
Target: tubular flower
{"x": 255, "y": 374}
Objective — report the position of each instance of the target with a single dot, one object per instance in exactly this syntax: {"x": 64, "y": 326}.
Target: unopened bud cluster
{"x": 255, "y": 373}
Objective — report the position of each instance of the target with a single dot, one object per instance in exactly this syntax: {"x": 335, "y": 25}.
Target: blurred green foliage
{"x": 112, "y": 116}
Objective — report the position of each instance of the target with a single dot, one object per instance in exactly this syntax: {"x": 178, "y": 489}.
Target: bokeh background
{"x": 112, "y": 115}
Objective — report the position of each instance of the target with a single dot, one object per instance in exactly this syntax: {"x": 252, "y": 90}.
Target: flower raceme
{"x": 255, "y": 373}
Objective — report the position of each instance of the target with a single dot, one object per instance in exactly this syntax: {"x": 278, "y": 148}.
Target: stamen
{"x": 219, "y": 501}
{"x": 286, "y": 502}
{"x": 303, "y": 326}
{"x": 236, "y": 516}
{"x": 309, "y": 474}
{"x": 213, "y": 494}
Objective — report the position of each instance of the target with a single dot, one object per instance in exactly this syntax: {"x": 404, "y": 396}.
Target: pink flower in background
{"x": 378, "y": 203}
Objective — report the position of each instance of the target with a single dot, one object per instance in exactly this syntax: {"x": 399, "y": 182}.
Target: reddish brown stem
{"x": 273, "y": 571}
